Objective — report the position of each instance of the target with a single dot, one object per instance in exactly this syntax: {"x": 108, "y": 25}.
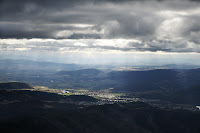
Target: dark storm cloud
{"x": 161, "y": 25}
{"x": 117, "y": 20}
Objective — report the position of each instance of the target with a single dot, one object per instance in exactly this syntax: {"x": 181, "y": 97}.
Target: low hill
{"x": 81, "y": 72}
{"x": 26, "y": 95}
{"x": 14, "y": 85}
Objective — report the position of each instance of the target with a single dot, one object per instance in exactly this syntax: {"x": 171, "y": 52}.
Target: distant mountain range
{"x": 55, "y": 75}
{"x": 34, "y": 65}
{"x": 10, "y": 64}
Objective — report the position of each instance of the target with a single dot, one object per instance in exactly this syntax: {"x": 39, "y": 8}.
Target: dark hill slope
{"x": 14, "y": 85}
{"x": 26, "y": 95}
{"x": 118, "y": 118}
{"x": 159, "y": 79}
{"x": 185, "y": 96}
{"x": 145, "y": 80}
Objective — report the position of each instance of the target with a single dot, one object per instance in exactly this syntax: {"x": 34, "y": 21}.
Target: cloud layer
{"x": 98, "y": 45}
{"x": 130, "y": 25}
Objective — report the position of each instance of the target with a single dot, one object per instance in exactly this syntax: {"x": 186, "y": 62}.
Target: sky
{"x": 101, "y": 31}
